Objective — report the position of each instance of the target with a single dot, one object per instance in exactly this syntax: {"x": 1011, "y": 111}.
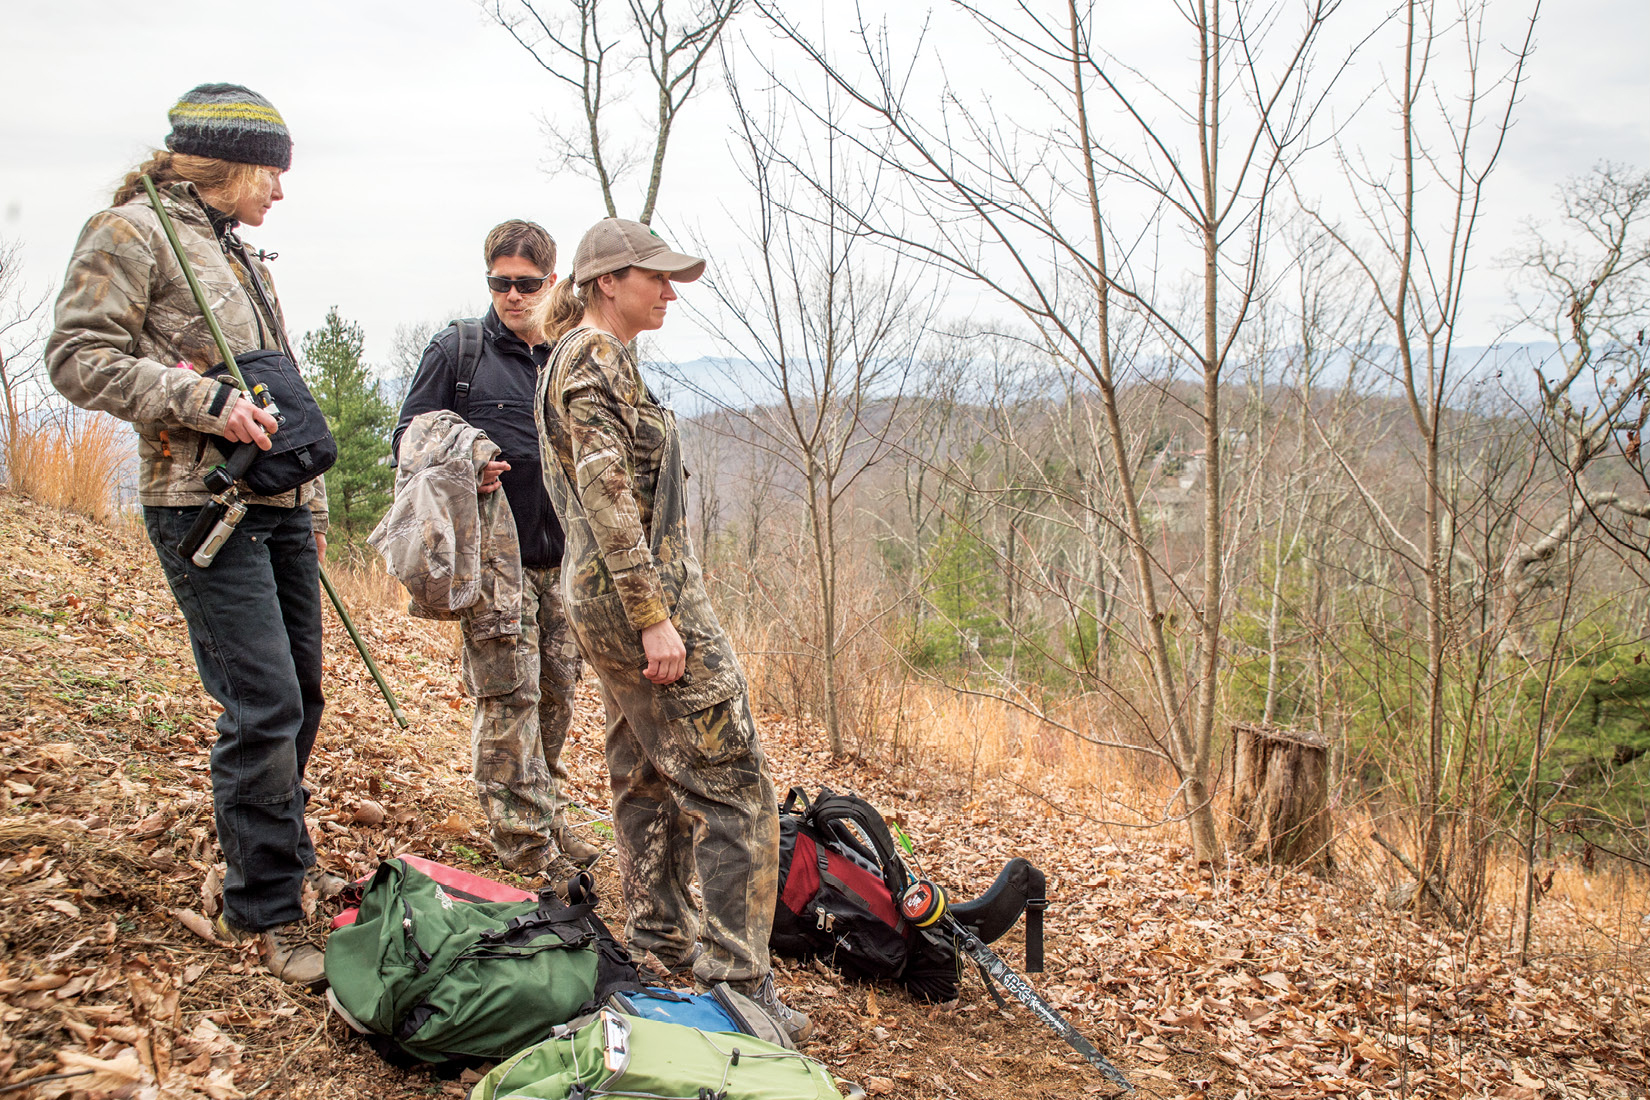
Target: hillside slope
{"x": 1247, "y": 982}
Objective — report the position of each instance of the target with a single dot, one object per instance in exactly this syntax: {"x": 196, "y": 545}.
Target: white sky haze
{"x": 415, "y": 125}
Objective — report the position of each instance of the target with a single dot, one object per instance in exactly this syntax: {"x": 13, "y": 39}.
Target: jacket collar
{"x": 183, "y": 202}
{"x": 496, "y": 331}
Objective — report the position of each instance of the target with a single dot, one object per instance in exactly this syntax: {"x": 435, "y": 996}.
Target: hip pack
{"x": 441, "y": 978}
{"x": 617, "y": 1055}
{"x": 304, "y": 448}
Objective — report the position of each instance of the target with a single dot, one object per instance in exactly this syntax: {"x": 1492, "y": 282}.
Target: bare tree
{"x": 830, "y": 333}
{"x": 406, "y": 352}
{"x": 22, "y": 321}
{"x": 993, "y": 200}
{"x": 588, "y": 48}
{"x": 1592, "y": 296}
{"x": 1453, "y": 126}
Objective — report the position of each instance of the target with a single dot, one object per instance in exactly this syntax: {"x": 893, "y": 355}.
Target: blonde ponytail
{"x": 226, "y": 177}
{"x": 564, "y": 308}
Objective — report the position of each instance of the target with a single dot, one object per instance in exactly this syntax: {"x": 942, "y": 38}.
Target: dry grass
{"x": 1597, "y": 919}
{"x": 361, "y": 580}
{"x": 69, "y": 460}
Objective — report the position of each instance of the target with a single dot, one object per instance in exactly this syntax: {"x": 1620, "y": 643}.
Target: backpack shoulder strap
{"x": 469, "y": 358}
{"x": 831, "y": 807}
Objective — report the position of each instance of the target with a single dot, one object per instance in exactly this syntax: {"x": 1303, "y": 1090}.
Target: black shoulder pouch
{"x": 303, "y": 449}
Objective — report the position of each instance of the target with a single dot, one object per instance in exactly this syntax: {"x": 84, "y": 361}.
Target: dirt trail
{"x": 1250, "y": 982}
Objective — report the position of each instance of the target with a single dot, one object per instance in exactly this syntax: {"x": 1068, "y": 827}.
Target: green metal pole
{"x": 235, "y": 372}
{"x": 194, "y": 283}
{"x": 355, "y": 636}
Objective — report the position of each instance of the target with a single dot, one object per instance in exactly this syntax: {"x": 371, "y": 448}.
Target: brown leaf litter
{"x": 1243, "y": 981}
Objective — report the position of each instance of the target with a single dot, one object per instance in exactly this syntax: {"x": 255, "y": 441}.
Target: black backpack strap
{"x": 469, "y": 358}
{"x": 1035, "y": 904}
{"x": 832, "y": 807}
{"x": 794, "y": 797}
{"x": 615, "y": 969}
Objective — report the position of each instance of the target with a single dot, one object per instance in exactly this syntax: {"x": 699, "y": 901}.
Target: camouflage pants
{"x": 692, "y": 795}
{"x": 517, "y": 736}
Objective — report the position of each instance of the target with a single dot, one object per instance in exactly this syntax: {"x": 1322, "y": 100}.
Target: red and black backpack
{"x": 841, "y": 877}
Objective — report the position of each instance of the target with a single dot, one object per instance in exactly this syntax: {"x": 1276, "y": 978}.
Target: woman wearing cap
{"x": 126, "y": 323}
{"x": 691, "y": 791}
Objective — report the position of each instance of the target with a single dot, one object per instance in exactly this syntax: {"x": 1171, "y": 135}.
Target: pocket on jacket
{"x": 492, "y": 666}
{"x": 605, "y": 636}
{"x": 712, "y": 673}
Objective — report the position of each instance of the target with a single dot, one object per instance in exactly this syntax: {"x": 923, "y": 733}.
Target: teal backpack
{"x": 616, "y": 1055}
{"x": 432, "y": 977}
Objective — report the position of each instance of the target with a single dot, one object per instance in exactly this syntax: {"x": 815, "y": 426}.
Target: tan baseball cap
{"x": 615, "y": 243}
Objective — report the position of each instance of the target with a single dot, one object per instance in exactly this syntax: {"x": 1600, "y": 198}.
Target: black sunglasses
{"x": 527, "y": 285}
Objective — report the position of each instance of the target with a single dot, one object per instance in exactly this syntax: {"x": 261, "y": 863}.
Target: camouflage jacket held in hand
{"x": 613, "y": 468}
{"x": 126, "y": 323}
{"x": 455, "y": 550}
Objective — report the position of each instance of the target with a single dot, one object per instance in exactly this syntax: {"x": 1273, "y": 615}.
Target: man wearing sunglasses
{"x": 486, "y": 371}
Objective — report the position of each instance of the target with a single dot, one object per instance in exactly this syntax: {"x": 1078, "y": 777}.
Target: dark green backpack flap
{"x": 444, "y": 977}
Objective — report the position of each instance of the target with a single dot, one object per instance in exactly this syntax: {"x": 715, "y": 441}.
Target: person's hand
{"x": 320, "y": 545}
{"x": 489, "y": 476}
{"x": 249, "y": 424}
{"x": 666, "y": 655}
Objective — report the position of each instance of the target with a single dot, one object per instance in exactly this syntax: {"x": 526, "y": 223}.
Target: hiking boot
{"x": 558, "y": 870}
{"x": 655, "y": 971}
{"x": 574, "y": 846}
{"x": 286, "y": 953}
{"x": 325, "y": 884}
{"x": 793, "y": 1022}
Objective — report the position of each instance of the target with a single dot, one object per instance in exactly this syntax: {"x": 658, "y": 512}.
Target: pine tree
{"x": 359, "y": 484}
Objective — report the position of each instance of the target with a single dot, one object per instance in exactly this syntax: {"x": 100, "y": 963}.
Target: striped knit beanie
{"x": 229, "y": 122}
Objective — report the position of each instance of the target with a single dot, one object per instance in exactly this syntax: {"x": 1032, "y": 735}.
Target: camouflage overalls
{"x": 691, "y": 791}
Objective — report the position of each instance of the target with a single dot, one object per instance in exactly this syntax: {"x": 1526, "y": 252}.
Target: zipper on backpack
{"x": 422, "y": 957}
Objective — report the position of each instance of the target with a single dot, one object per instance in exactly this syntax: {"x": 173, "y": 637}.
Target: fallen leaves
{"x": 1243, "y": 982}
{"x": 197, "y": 924}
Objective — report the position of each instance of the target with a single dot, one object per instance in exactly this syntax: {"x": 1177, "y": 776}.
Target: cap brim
{"x": 683, "y": 269}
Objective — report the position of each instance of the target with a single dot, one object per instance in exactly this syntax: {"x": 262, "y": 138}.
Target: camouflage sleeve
{"x": 597, "y": 393}
{"x": 318, "y": 506}
{"x": 92, "y": 354}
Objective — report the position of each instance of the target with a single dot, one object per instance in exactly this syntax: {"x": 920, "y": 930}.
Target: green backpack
{"x": 615, "y": 1055}
{"x": 442, "y": 978}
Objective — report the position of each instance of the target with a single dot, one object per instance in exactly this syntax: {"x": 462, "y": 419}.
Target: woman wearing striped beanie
{"x": 126, "y": 322}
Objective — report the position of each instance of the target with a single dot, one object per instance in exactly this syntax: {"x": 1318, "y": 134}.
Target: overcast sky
{"x": 415, "y": 126}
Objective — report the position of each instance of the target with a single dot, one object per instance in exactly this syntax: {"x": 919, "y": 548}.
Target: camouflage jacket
{"x": 126, "y": 321}
{"x": 613, "y": 468}
{"x": 455, "y": 550}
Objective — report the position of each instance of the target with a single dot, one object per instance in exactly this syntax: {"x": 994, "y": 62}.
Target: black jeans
{"x": 255, "y": 625}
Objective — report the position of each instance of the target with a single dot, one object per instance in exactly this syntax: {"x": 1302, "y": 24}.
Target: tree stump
{"x": 1280, "y": 796}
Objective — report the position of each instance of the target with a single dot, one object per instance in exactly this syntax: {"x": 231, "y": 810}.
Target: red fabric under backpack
{"x": 460, "y": 885}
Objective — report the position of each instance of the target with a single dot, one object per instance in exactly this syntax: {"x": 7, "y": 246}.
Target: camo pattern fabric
{"x": 691, "y": 792}
{"x": 691, "y": 795}
{"x": 453, "y": 549}
{"x": 517, "y": 737}
{"x": 606, "y": 416}
{"x": 613, "y": 470}
{"x": 126, "y": 321}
